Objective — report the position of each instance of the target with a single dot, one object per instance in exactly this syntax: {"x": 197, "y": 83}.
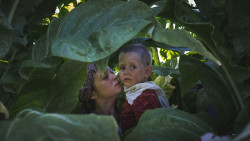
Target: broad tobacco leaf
{"x": 36, "y": 125}
{"x": 102, "y": 64}
{"x": 11, "y": 81}
{"x": 28, "y": 67}
{"x": 29, "y": 84}
{"x": 36, "y": 98}
{"x": 48, "y": 88}
{"x": 17, "y": 18}
{"x": 14, "y": 41}
{"x": 244, "y": 135}
{"x": 239, "y": 26}
{"x": 211, "y": 37}
{"x": 94, "y": 30}
{"x": 168, "y": 124}
{"x": 240, "y": 77}
{"x": 181, "y": 38}
{"x": 164, "y": 71}
{"x": 214, "y": 84}
{"x": 210, "y": 8}
{"x": 69, "y": 79}
{"x": 18, "y": 74}
{"x": 164, "y": 83}
{"x": 242, "y": 120}
{"x": 6, "y": 34}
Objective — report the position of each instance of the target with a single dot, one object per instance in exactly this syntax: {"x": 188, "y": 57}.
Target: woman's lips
{"x": 118, "y": 83}
{"x": 126, "y": 79}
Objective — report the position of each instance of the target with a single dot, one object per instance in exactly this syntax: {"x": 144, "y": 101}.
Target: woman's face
{"x": 106, "y": 85}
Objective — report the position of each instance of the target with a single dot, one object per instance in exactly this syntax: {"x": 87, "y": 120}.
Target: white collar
{"x": 134, "y": 91}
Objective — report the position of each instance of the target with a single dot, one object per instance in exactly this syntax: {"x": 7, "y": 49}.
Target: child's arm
{"x": 147, "y": 100}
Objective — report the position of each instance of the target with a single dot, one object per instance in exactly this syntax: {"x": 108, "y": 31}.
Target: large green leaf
{"x": 6, "y": 33}
{"x": 216, "y": 86}
{"x": 19, "y": 73}
{"x": 36, "y": 99}
{"x": 94, "y": 30}
{"x": 164, "y": 71}
{"x": 211, "y": 37}
{"x": 48, "y": 88}
{"x": 11, "y": 81}
{"x": 214, "y": 34}
{"x": 35, "y": 125}
{"x": 209, "y": 8}
{"x": 64, "y": 89}
{"x": 29, "y": 84}
{"x": 241, "y": 76}
{"x": 168, "y": 124}
{"x": 244, "y": 135}
{"x": 164, "y": 83}
{"x": 29, "y": 67}
{"x": 181, "y": 38}
{"x": 18, "y": 12}
{"x": 243, "y": 119}
{"x": 239, "y": 26}
{"x": 35, "y": 92}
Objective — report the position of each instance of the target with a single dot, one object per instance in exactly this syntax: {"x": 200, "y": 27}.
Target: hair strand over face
{"x": 86, "y": 91}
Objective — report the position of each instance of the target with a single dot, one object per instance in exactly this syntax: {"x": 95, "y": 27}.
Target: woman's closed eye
{"x": 111, "y": 71}
{"x": 105, "y": 75}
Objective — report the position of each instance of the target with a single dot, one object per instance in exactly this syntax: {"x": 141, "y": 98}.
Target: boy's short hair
{"x": 139, "y": 49}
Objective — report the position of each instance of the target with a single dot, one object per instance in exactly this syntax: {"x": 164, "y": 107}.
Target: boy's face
{"x": 131, "y": 69}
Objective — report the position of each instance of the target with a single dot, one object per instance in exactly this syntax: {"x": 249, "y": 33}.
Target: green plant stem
{"x": 6, "y": 71}
{"x": 156, "y": 56}
{"x": 234, "y": 86}
{"x": 235, "y": 89}
{"x": 222, "y": 63}
{"x": 13, "y": 10}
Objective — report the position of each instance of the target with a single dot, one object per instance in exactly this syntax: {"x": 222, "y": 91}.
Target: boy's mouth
{"x": 126, "y": 79}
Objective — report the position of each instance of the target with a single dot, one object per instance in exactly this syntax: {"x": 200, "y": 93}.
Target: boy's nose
{"x": 126, "y": 71}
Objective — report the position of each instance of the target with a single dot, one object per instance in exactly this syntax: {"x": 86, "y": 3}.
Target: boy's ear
{"x": 149, "y": 70}
{"x": 93, "y": 95}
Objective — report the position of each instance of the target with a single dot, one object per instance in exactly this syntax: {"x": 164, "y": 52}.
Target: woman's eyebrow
{"x": 108, "y": 69}
{"x": 100, "y": 75}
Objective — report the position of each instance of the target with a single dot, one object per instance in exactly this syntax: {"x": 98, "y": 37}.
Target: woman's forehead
{"x": 99, "y": 74}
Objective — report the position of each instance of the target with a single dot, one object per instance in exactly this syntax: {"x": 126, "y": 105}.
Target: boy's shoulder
{"x": 148, "y": 92}
{"x": 148, "y": 96}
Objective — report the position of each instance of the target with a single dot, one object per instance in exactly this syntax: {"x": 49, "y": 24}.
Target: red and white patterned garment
{"x": 131, "y": 114}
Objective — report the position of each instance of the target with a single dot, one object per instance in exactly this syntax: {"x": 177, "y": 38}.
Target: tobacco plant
{"x": 43, "y": 58}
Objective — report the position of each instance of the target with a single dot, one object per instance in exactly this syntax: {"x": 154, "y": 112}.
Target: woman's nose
{"x": 114, "y": 76}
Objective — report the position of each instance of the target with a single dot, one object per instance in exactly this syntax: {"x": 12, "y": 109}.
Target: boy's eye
{"x": 121, "y": 68}
{"x": 133, "y": 67}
